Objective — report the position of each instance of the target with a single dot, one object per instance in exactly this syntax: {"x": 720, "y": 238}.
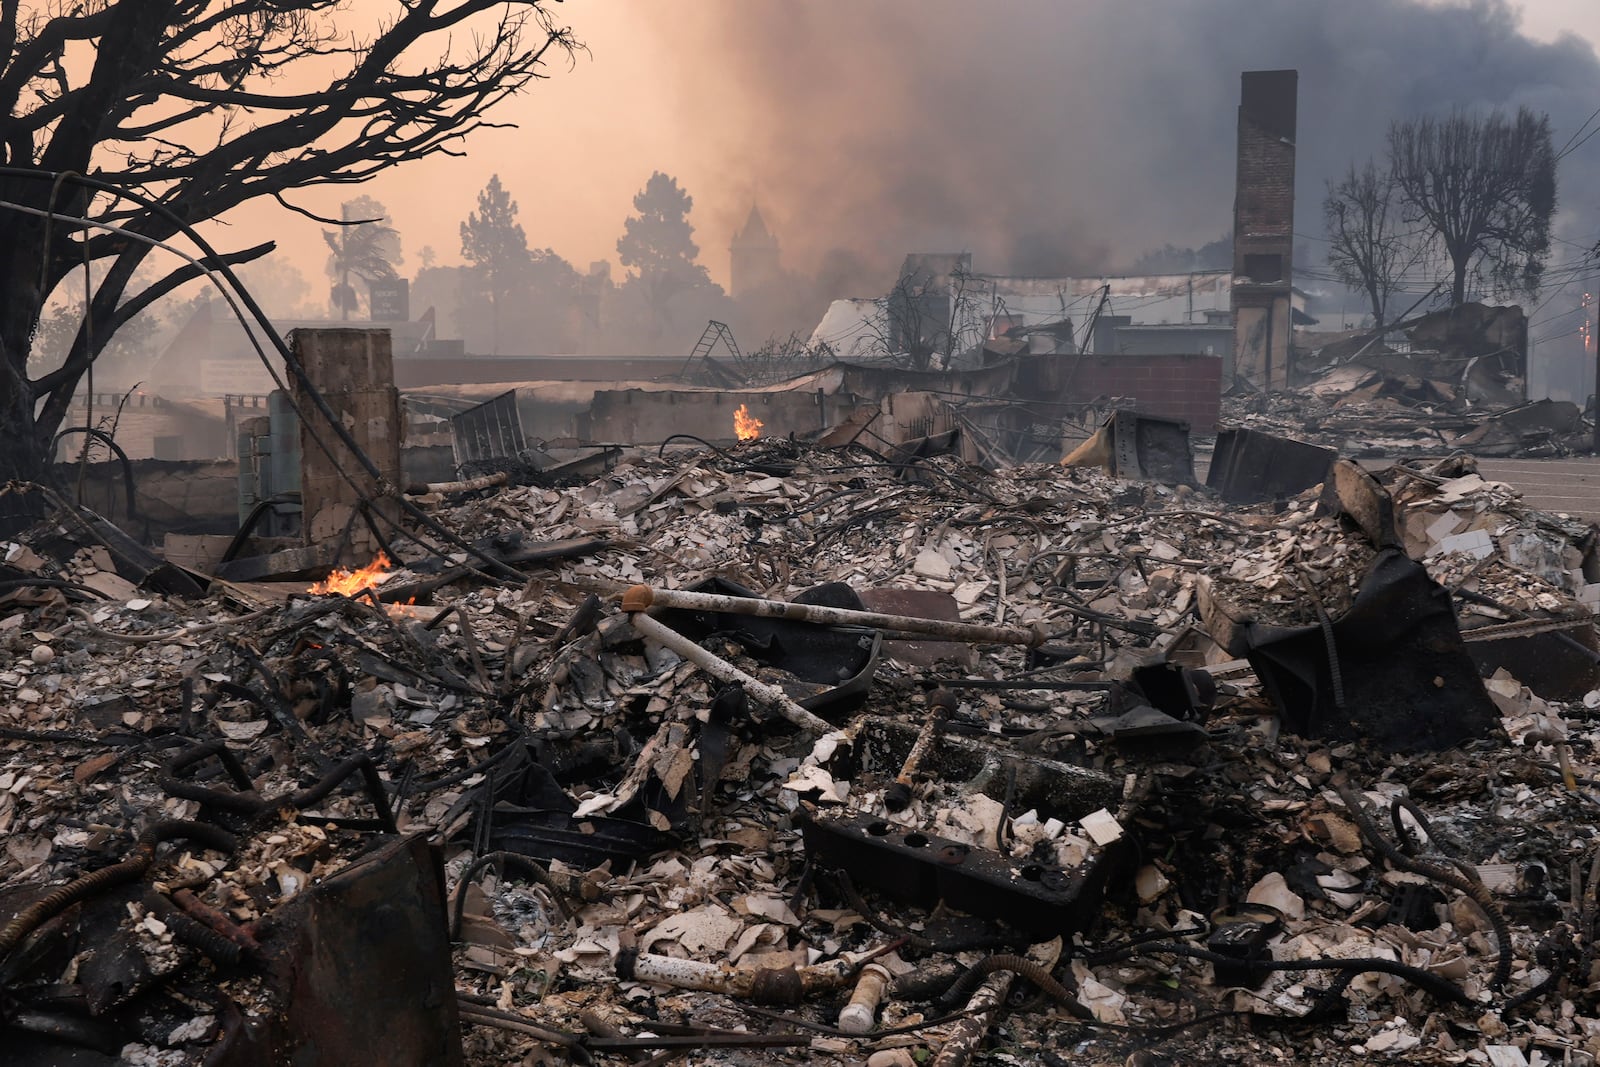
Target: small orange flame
{"x": 349, "y": 583}
{"x": 745, "y": 425}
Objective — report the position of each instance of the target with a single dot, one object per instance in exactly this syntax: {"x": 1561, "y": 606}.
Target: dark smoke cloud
{"x": 1049, "y": 136}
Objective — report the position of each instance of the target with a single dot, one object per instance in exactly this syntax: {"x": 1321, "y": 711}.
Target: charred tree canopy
{"x": 1485, "y": 187}
{"x": 204, "y": 106}
{"x": 1370, "y": 247}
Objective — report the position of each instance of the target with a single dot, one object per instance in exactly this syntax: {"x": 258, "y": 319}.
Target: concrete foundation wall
{"x": 182, "y": 496}
{"x": 200, "y": 496}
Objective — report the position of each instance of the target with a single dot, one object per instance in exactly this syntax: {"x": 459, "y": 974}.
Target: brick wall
{"x": 1265, "y": 207}
{"x": 1187, "y": 387}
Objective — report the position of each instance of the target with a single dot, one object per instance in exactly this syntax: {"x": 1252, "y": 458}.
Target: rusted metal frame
{"x": 216, "y": 920}
{"x": 1532, "y": 627}
{"x": 191, "y": 931}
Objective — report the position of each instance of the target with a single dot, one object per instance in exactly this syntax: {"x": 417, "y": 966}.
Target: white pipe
{"x": 723, "y": 671}
{"x": 643, "y": 598}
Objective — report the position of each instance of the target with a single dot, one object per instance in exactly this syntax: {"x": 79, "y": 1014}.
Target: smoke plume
{"x": 1051, "y": 137}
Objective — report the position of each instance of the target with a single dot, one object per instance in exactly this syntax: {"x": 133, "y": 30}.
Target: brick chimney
{"x": 1263, "y": 227}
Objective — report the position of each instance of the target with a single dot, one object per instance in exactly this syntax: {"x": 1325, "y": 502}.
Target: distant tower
{"x": 755, "y": 257}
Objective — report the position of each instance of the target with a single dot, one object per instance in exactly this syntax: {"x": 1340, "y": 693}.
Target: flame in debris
{"x": 349, "y": 583}
{"x": 746, "y": 425}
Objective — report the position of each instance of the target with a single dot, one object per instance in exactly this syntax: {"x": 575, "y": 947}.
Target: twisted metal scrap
{"x": 1446, "y": 871}
{"x": 134, "y": 867}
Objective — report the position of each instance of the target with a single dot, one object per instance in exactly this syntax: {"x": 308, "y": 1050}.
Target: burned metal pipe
{"x": 858, "y": 1016}
{"x": 466, "y": 485}
{"x": 968, "y": 1033}
{"x": 642, "y": 598}
{"x": 898, "y": 795}
{"x": 131, "y": 868}
{"x": 763, "y": 985}
{"x": 723, "y": 671}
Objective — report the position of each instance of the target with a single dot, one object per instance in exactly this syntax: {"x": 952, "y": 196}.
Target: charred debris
{"x": 791, "y": 753}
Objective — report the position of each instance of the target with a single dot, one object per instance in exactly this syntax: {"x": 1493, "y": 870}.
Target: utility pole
{"x": 1588, "y": 334}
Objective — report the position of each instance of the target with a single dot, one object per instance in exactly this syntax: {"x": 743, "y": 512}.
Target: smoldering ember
{"x": 1197, "y": 662}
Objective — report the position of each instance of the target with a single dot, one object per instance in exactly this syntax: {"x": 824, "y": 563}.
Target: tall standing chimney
{"x": 1263, "y": 227}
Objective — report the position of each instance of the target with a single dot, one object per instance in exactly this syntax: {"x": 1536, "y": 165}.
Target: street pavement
{"x": 1570, "y": 485}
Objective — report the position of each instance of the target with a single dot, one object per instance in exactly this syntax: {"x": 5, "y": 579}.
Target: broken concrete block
{"x": 1275, "y": 893}
{"x": 1475, "y": 543}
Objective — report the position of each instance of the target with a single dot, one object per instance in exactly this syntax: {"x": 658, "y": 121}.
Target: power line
{"x": 1568, "y": 148}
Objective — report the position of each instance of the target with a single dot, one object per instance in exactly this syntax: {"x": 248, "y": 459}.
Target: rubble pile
{"x": 1036, "y": 790}
{"x": 1339, "y": 412}
{"x": 1452, "y": 379}
{"x": 1352, "y": 423}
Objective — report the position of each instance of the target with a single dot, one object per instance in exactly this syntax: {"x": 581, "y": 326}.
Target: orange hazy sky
{"x": 660, "y": 89}
{"x": 586, "y": 140}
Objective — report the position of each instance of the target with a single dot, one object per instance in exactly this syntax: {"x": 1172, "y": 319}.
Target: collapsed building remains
{"x": 791, "y": 751}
